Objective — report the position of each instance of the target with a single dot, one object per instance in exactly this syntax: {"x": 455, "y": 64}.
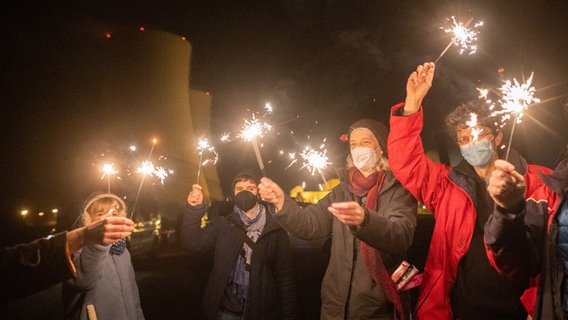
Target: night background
{"x": 321, "y": 64}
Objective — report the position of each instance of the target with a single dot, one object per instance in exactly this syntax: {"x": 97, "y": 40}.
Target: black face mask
{"x": 245, "y": 200}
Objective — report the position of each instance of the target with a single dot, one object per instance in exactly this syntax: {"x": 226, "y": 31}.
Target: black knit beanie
{"x": 378, "y": 129}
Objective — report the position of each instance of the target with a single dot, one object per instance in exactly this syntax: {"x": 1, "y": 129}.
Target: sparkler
{"x": 315, "y": 160}
{"x": 252, "y": 129}
{"x": 203, "y": 145}
{"x": 472, "y": 123}
{"x": 108, "y": 171}
{"x": 462, "y": 37}
{"x": 516, "y": 98}
{"x": 147, "y": 168}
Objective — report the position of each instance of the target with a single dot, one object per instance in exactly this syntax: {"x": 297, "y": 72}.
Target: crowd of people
{"x": 499, "y": 248}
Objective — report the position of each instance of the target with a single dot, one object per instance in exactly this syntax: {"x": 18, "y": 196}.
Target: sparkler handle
{"x": 258, "y": 157}
{"x": 444, "y": 52}
{"x": 323, "y": 177}
{"x": 199, "y": 167}
{"x": 510, "y": 139}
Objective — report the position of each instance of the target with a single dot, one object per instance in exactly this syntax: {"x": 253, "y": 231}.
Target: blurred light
{"x": 55, "y": 210}
{"x": 141, "y": 28}
{"x": 183, "y": 38}
{"x": 132, "y": 148}
{"x": 41, "y": 213}
{"x": 24, "y": 212}
{"x": 108, "y": 35}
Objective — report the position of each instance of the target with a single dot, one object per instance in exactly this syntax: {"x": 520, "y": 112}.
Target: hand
{"x": 108, "y": 231}
{"x": 350, "y": 213}
{"x": 506, "y": 186}
{"x": 271, "y": 192}
{"x": 195, "y": 196}
{"x": 104, "y": 232}
{"x": 417, "y": 86}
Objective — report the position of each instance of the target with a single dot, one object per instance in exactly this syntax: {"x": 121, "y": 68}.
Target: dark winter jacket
{"x": 272, "y": 293}
{"x": 347, "y": 291}
{"x": 524, "y": 242}
{"x": 31, "y": 267}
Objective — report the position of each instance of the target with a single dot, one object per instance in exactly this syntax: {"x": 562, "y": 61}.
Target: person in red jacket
{"x": 527, "y": 238}
{"x": 458, "y": 280}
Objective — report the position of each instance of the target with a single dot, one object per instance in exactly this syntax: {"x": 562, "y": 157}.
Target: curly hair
{"x": 457, "y": 119}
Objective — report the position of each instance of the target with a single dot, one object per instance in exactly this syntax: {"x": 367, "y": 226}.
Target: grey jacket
{"x": 348, "y": 292}
{"x": 105, "y": 281}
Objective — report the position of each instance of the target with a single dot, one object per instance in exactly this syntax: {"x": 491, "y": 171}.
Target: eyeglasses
{"x": 463, "y": 140}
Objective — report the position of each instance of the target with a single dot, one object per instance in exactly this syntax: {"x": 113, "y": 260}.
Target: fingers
{"x": 350, "y": 213}
{"x": 504, "y": 165}
{"x": 195, "y": 196}
{"x": 109, "y": 230}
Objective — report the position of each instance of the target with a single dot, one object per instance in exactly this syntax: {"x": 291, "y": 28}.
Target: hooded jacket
{"x": 524, "y": 243}
{"x": 272, "y": 293}
{"x": 447, "y": 193}
{"x": 347, "y": 290}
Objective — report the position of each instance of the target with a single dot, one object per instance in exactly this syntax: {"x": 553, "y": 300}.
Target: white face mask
{"x": 364, "y": 158}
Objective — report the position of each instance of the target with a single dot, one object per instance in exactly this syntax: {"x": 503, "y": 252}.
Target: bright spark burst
{"x": 225, "y": 137}
{"x": 161, "y": 173}
{"x": 472, "y": 123}
{"x": 483, "y": 93}
{"x": 148, "y": 168}
{"x": 463, "y": 37}
{"x": 314, "y": 160}
{"x": 516, "y": 98}
{"x": 268, "y": 107}
{"x": 254, "y": 128}
{"x": 108, "y": 170}
{"x": 203, "y": 145}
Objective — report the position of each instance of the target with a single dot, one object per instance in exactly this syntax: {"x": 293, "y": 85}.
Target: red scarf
{"x": 370, "y": 186}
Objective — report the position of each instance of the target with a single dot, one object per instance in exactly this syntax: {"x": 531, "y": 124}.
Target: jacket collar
{"x": 390, "y": 180}
{"x": 557, "y": 180}
{"x": 465, "y": 177}
{"x": 271, "y": 224}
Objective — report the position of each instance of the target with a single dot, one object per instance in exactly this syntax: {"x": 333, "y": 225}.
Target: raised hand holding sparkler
{"x": 462, "y": 37}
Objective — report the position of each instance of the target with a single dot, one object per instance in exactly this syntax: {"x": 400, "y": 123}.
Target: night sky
{"x": 321, "y": 64}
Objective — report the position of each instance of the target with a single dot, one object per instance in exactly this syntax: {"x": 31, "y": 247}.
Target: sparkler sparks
{"x": 314, "y": 160}
{"x": 254, "y": 128}
{"x": 203, "y": 145}
{"x": 462, "y": 37}
{"x": 108, "y": 170}
{"x": 148, "y": 169}
{"x": 472, "y": 123}
{"x": 517, "y": 97}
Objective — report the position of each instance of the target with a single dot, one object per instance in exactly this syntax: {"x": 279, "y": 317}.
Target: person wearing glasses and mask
{"x": 458, "y": 280}
{"x": 252, "y": 275}
{"x": 370, "y": 218}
